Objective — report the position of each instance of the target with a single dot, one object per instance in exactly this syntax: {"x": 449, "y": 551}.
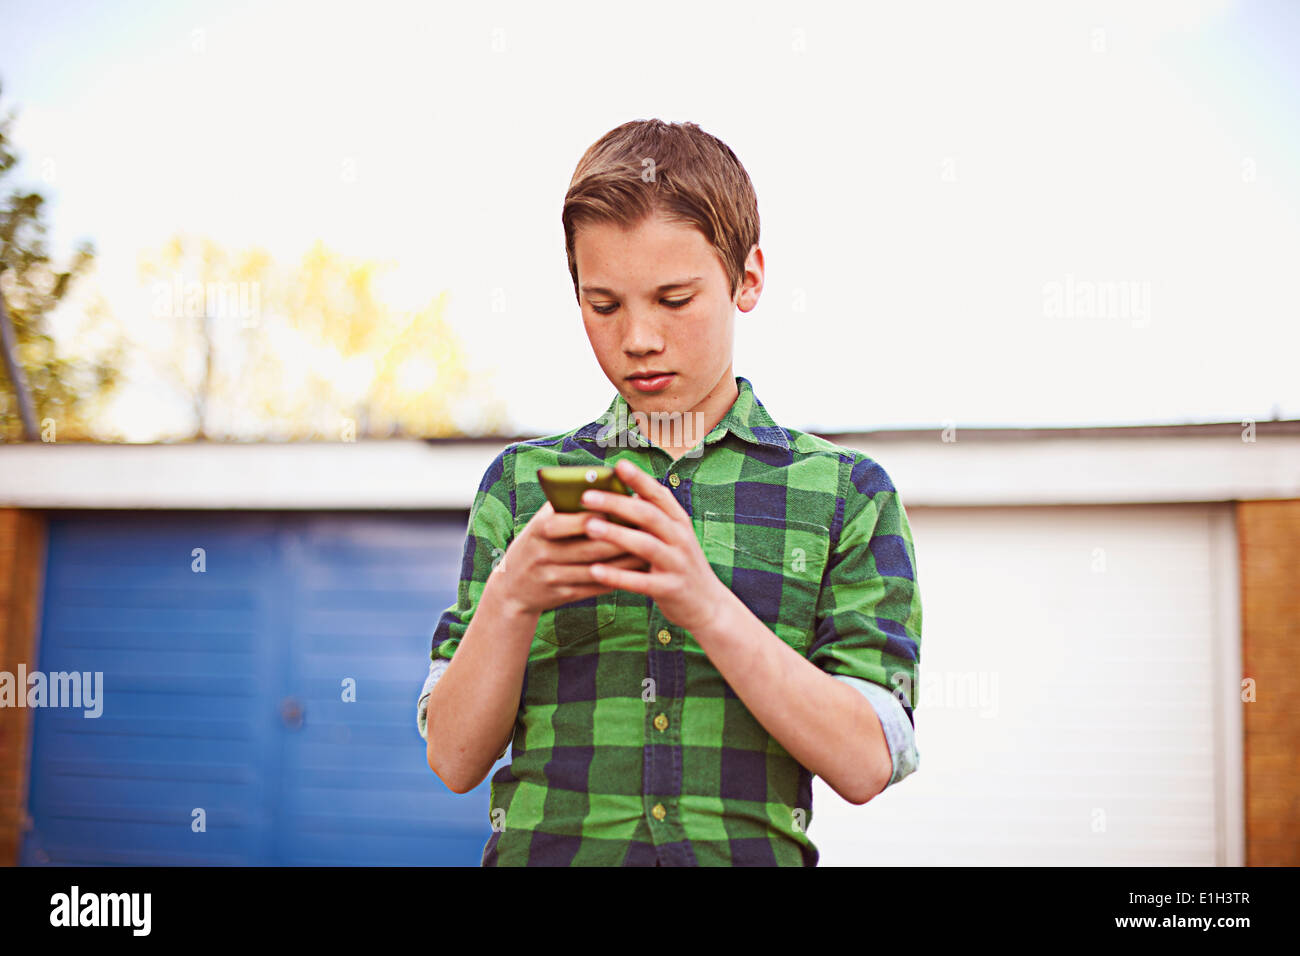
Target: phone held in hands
{"x": 564, "y": 485}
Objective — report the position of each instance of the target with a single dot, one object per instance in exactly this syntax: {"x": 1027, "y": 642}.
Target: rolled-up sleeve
{"x": 899, "y": 734}
{"x": 422, "y": 708}
{"x": 868, "y": 631}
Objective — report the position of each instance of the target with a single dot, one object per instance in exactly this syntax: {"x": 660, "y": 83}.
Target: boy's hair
{"x": 676, "y": 170}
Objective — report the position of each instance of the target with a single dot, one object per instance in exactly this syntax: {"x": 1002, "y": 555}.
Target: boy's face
{"x": 666, "y": 308}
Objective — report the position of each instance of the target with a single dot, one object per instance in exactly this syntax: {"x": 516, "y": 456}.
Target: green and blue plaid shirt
{"x": 629, "y": 746}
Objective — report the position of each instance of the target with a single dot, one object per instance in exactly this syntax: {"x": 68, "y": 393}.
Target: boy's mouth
{"x": 651, "y": 383}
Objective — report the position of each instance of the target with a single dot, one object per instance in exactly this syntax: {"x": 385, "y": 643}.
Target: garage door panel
{"x": 339, "y": 845}
{"x": 201, "y": 677}
{"x": 1069, "y": 696}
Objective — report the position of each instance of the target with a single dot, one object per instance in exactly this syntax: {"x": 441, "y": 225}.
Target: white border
{"x": 1229, "y": 746}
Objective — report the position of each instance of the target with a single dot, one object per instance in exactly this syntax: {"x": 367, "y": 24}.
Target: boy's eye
{"x": 671, "y": 303}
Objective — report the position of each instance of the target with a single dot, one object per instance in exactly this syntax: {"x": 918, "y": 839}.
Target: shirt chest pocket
{"x": 577, "y": 620}
{"x": 774, "y": 564}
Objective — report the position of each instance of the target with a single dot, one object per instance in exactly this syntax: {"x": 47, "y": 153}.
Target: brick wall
{"x": 22, "y": 560}
{"x": 1269, "y": 536}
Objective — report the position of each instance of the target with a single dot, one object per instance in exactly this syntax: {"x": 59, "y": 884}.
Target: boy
{"x": 671, "y": 686}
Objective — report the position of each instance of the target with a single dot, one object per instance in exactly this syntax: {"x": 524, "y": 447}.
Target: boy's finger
{"x": 575, "y": 550}
{"x": 565, "y": 524}
{"x": 637, "y": 513}
{"x": 627, "y": 561}
{"x": 644, "y": 484}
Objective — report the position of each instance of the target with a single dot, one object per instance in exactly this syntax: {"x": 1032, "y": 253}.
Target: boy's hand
{"x": 549, "y": 562}
{"x": 680, "y": 579}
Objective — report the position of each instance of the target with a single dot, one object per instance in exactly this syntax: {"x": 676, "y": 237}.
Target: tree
{"x": 306, "y": 352}
{"x": 64, "y": 389}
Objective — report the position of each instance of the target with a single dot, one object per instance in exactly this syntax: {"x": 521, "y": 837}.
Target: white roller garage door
{"x": 1080, "y": 674}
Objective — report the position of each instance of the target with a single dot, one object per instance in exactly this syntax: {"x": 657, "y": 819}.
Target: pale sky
{"x": 940, "y": 185}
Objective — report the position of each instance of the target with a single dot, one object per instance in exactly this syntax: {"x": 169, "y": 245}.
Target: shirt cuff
{"x": 899, "y": 733}
{"x": 436, "y": 667}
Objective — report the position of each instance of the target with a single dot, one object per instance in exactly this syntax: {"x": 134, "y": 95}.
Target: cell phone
{"x": 564, "y": 485}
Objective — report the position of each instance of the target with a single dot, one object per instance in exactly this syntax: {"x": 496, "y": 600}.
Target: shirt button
{"x": 664, "y": 636}
{"x": 659, "y": 811}
{"x": 661, "y": 722}
{"x": 674, "y": 480}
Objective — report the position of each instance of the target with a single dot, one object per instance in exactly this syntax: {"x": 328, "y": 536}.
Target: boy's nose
{"x": 641, "y": 338}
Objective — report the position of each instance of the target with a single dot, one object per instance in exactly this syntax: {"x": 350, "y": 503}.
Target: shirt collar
{"x": 747, "y": 419}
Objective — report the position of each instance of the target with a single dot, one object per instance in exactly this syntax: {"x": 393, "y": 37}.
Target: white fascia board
{"x": 1089, "y": 471}
{"x": 396, "y": 475}
{"x": 417, "y": 475}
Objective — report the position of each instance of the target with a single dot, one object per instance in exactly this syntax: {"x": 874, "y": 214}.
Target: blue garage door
{"x": 227, "y": 644}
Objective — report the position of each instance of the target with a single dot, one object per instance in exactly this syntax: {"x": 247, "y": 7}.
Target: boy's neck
{"x": 677, "y": 432}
